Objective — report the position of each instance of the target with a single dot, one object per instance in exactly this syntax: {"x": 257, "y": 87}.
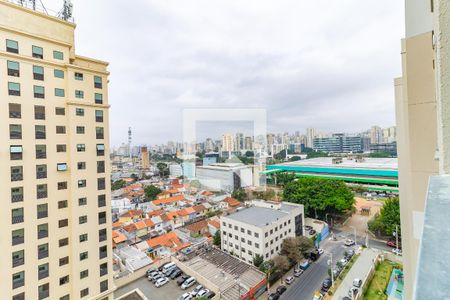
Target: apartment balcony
{"x": 41, "y": 195}
{"x": 17, "y": 219}
{"x": 16, "y": 177}
{"x": 42, "y": 274}
{"x": 18, "y": 262}
{"x": 42, "y": 254}
{"x": 42, "y": 234}
{"x": 41, "y": 174}
{"x": 16, "y": 198}
{"x": 42, "y": 214}
{"x": 17, "y": 240}
{"x": 18, "y": 283}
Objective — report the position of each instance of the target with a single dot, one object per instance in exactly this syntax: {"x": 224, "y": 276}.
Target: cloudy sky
{"x": 326, "y": 64}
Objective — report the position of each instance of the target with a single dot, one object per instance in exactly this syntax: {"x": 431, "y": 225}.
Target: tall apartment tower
{"x": 55, "y": 235}
{"x": 228, "y": 142}
{"x": 310, "y": 135}
{"x": 418, "y": 130}
{"x": 145, "y": 158}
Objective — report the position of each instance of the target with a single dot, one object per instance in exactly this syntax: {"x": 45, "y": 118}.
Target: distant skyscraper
{"x": 376, "y": 135}
{"x": 228, "y": 142}
{"x": 145, "y": 158}
{"x": 310, "y": 135}
{"x": 239, "y": 141}
{"x": 248, "y": 143}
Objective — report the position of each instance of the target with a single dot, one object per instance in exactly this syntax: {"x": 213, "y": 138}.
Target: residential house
{"x": 131, "y": 215}
{"x": 166, "y": 244}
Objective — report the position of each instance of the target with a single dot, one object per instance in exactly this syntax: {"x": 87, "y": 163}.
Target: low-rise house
{"x": 119, "y": 239}
{"x": 168, "y": 202}
{"x": 200, "y": 210}
{"x": 133, "y": 259}
{"x": 198, "y": 228}
{"x": 120, "y": 205}
{"x": 213, "y": 225}
{"x": 131, "y": 215}
{"x": 134, "y": 191}
{"x": 187, "y": 214}
{"x": 166, "y": 244}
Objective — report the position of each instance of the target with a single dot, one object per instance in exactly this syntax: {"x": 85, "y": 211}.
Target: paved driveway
{"x": 169, "y": 291}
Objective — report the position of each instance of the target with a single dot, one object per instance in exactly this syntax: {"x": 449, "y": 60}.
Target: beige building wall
{"x": 74, "y": 213}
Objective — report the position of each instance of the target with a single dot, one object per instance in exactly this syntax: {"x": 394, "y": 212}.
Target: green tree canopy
{"x": 380, "y": 154}
{"x": 151, "y": 192}
{"x": 217, "y": 239}
{"x": 239, "y": 194}
{"x": 290, "y": 248}
{"x": 304, "y": 244}
{"x": 118, "y": 184}
{"x": 314, "y": 154}
{"x": 295, "y": 158}
{"x": 163, "y": 169}
{"x": 319, "y": 195}
{"x": 284, "y": 178}
{"x": 388, "y": 218}
{"x": 281, "y": 263}
{"x": 258, "y": 260}
{"x": 249, "y": 153}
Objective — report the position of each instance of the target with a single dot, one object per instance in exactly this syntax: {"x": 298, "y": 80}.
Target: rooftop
{"x": 326, "y": 162}
{"x": 258, "y": 216}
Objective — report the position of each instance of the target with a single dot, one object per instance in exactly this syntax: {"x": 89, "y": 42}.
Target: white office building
{"x": 225, "y": 176}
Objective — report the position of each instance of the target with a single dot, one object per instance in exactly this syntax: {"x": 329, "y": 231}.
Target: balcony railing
{"x": 15, "y": 135}
{"x": 42, "y": 214}
{"x": 99, "y": 119}
{"x": 37, "y": 76}
{"x": 101, "y": 202}
{"x": 101, "y": 169}
{"x": 98, "y": 85}
{"x": 16, "y": 240}
{"x": 40, "y": 135}
{"x": 102, "y": 238}
{"x": 13, "y": 72}
{"x": 43, "y": 294}
{"x": 18, "y": 283}
{"x": 42, "y": 234}
{"x": 39, "y": 116}
{"x": 100, "y": 135}
{"x": 16, "y": 177}
{"x": 16, "y": 198}
{"x": 103, "y": 271}
{"x": 42, "y": 274}
{"x": 39, "y": 95}
{"x": 15, "y": 156}
{"x": 18, "y": 261}
{"x": 17, "y": 219}
{"x": 103, "y": 254}
{"x": 42, "y": 254}
{"x": 41, "y": 195}
{"x": 15, "y": 114}
{"x": 101, "y": 220}
{"x": 41, "y": 174}
{"x": 13, "y": 93}
{"x": 41, "y": 154}
{"x": 100, "y": 152}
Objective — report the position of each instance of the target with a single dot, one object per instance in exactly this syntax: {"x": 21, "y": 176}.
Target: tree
{"x": 249, "y": 153}
{"x": 304, "y": 244}
{"x": 239, "y": 194}
{"x": 281, "y": 263}
{"x": 284, "y": 178}
{"x": 388, "y": 218}
{"x": 290, "y": 248}
{"x": 314, "y": 154}
{"x": 319, "y": 195}
{"x": 118, "y": 184}
{"x": 135, "y": 177}
{"x": 380, "y": 154}
{"x": 217, "y": 239}
{"x": 280, "y": 155}
{"x": 295, "y": 158}
{"x": 358, "y": 188}
{"x": 258, "y": 260}
{"x": 151, "y": 192}
{"x": 163, "y": 169}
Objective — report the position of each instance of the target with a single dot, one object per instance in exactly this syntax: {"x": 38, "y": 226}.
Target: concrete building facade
{"x": 55, "y": 221}
{"x": 261, "y": 229}
{"x": 225, "y": 176}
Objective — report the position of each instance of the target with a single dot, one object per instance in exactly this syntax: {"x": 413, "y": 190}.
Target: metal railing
{"x": 15, "y": 114}
{"x": 15, "y": 135}
{"x": 16, "y": 177}
{"x": 18, "y": 283}
{"x": 42, "y": 254}
{"x": 42, "y": 274}
{"x": 16, "y": 198}
{"x": 17, "y": 219}
{"x": 41, "y": 174}
{"x": 42, "y": 214}
{"x": 41, "y": 195}
{"x": 15, "y": 156}
{"x": 16, "y": 240}
{"x": 42, "y": 234}
{"x": 41, "y": 154}
{"x": 43, "y": 294}
{"x": 39, "y": 116}
{"x": 18, "y": 262}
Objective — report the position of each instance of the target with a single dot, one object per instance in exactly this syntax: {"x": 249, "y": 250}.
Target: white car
{"x": 344, "y": 261}
{"x": 188, "y": 283}
{"x": 161, "y": 281}
{"x": 397, "y": 251}
{"x": 185, "y": 296}
{"x": 349, "y": 242}
{"x": 320, "y": 251}
{"x": 289, "y": 280}
{"x": 202, "y": 293}
{"x": 197, "y": 289}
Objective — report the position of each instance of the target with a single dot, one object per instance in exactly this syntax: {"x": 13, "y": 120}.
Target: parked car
{"x": 161, "y": 281}
{"x": 320, "y": 251}
{"x": 349, "y": 254}
{"x": 317, "y": 296}
{"x": 182, "y": 279}
{"x": 197, "y": 289}
{"x": 289, "y": 280}
{"x": 326, "y": 284}
{"x": 162, "y": 266}
{"x": 343, "y": 261}
{"x": 274, "y": 296}
{"x": 185, "y": 296}
{"x": 281, "y": 289}
{"x": 202, "y": 293}
{"x": 357, "y": 282}
{"x": 298, "y": 272}
{"x": 353, "y": 292}
{"x": 176, "y": 274}
{"x": 393, "y": 244}
{"x": 349, "y": 242}
{"x": 169, "y": 273}
{"x": 397, "y": 251}
{"x": 156, "y": 277}
{"x": 188, "y": 283}
{"x": 210, "y": 295}
{"x": 150, "y": 271}
{"x": 304, "y": 264}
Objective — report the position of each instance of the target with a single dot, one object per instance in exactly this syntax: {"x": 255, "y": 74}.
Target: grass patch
{"x": 380, "y": 281}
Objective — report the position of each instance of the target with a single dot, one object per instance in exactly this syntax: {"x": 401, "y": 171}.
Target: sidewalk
{"x": 360, "y": 269}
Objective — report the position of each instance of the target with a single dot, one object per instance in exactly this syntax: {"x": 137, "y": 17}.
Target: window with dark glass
{"x": 39, "y": 92}
{"x": 15, "y": 152}
{"x": 41, "y": 171}
{"x": 99, "y": 115}
{"x": 98, "y": 82}
{"x": 42, "y": 231}
{"x": 58, "y": 55}
{"x": 80, "y": 129}
{"x": 38, "y": 73}
{"x": 58, "y": 73}
{"x": 17, "y": 194}
{"x": 99, "y": 133}
{"x": 38, "y": 52}
{"x": 61, "y": 148}
{"x": 42, "y": 191}
{"x": 42, "y": 211}
{"x": 12, "y": 46}
{"x": 39, "y": 132}
{"x": 98, "y": 98}
{"x": 79, "y": 76}
{"x": 13, "y": 89}
{"x": 60, "y": 129}
{"x": 15, "y": 131}
{"x": 15, "y": 111}
{"x": 13, "y": 68}
{"x": 39, "y": 112}
{"x": 60, "y": 111}
{"x": 17, "y": 173}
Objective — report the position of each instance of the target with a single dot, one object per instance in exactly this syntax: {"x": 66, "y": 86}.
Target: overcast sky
{"x": 326, "y": 64}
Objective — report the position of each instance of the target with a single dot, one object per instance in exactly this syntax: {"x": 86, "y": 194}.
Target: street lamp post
{"x": 330, "y": 263}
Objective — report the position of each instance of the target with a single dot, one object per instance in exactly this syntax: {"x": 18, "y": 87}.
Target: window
{"x": 66, "y": 297}
{"x": 42, "y": 251}
{"x": 15, "y": 111}
{"x": 81, "y": 165}
{"x": 12, "y": 46}
{"x": 60, "y": 111}
{"x": 103, "y": 286}
{"x": 99, "y": 133}
{"x": 78, "y": 76}
{"x": 15, "y": 152}
{"x": 38, "y": 73}
{"x": 79, "y": 94}
{"x": 242, "y": 230}
{"x": 81, "y": 147}
{"x": 256, "y": 235}
{"x": 101, "y": 199}
{"x": 99, "y": 115}
{"x": 82, "y": 183}
{"x": 256, "y": 245}
{"x": 80, "y": 129}
{"x": 39, "y": 92}
{"x": 58, "y": 73}
{"x": 84, "y": 274}
{"x": 43, "y": 271}
{"x": 41, "y": 151}
{"x": 100, "y": 149}
{"x": 79, "y": 112}
{"x": 18, "y": 258}
{"x": 39, "y": 112}
{"x": 63, "y": 261}
{"x": 103, "y": 269}
{"x": 41, "y": 171}
{"x": 102, "y": 218}
{"x": 98, "y": 98}
{"x": 59, "y": 92}
{"x": 60, "y": 129}
{"x": 102, "y": 235}
{"x": 18, "y": 280}
{"x": 13, "y": 68}
{"x": 15, "y": 131}
{"x": 62, "y": 204}
{"x": 83, "y": 255}
{"x": 17, "y": 215}
{"x": 249, "y": 242}
{"x": 18, "y": 237}
{"x": 13, "y": 89}
{"x": 101, "y": 183}
{"x": 100, "y": 167}
{"x": 17, "y": 173}
{"x": 83, "y": 237}
{"x": 58, "y": 55}
{"x": 103, "y": 251}
{"x": 61, "y": 148}
{"x": 61, "y": 167}
{"x": 84, "y": 292}
{"x": 16, "y": 194}
{"x": 62, "y": 185}
{"x": 64, "y": 280}
{"x": 38, "y": 52}
{"x": 63, "y": 223}
{"x": 249, "y": 232}
{"x": 98, "y": 82}
{"x": 82, "y": 219}
{"x": 42, "y": 211}
{"x": 41, "y": 191}
{"x": 39, "y": 132}
{"x": 82, "y": 201}
{"x": 42, "y": 231}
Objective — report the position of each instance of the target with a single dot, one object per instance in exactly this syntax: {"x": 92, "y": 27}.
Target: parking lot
{"x": 169, "y": 291}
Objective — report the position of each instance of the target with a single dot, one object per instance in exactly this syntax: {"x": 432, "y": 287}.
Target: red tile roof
{"x": 130, "y": 227}
{"x": 214, "y": 223}
{"x": 232, "y": 201}
{"x": 168, "y": 200}
{"x": 199, "y": 208}
{"x": 186, "y": 211}
{"x": 132, "y": 213}
{"x": 169, "y": 240}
